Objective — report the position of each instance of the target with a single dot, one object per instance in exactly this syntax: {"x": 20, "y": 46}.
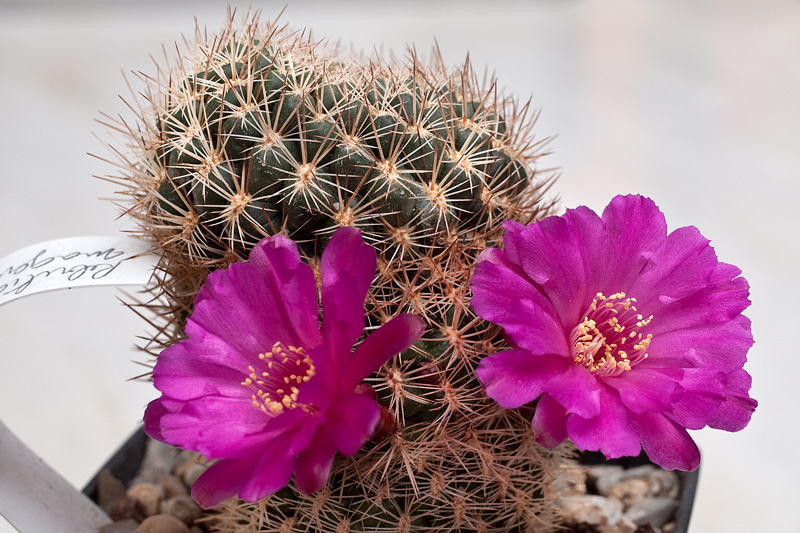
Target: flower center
{"x": 283, "y": 370}
{"x": 608, "y": 342}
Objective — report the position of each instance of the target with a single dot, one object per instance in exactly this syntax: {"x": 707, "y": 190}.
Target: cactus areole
{"x": 257, "y": 131}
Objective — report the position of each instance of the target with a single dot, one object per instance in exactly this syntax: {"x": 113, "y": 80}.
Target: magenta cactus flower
{"x": 627, "y": 335}
{"x": 260, "y": 386}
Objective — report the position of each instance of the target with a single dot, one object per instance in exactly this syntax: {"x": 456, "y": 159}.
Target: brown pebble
{"x": 193, "y": 472}
{"x": 124, "y": 508}
{"x": 123, "y": 526}
{"x": 664, "y": 483}
{"x": 148, "y": 496}
{"x": 109, "y": 489}
{"x": 183, "y": 508}
{"x": 182, "y": 458}
{"x": 571, "y": 479}
{"x": 186, "y": 461}
{"x": 161, "y": 523}
{"x": 173, "y": 486}
{"x": 653, "y": 511}
{"x": 623, "y": 526}
{"x": 157, "y": 461}
{"x": 589, "y": 509}
{"x": 629, "y": 491}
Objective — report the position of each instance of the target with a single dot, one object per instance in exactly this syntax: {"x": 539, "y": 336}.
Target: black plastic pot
{"x": 124, "y": 465}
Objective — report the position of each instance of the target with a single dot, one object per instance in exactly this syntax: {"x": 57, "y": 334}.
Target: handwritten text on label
{"x": 75, "y": 262}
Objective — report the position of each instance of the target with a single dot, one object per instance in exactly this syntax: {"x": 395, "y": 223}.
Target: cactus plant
{"x": 258, "y": 130}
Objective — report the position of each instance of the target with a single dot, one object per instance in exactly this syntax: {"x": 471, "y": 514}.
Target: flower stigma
{"x": 276, "y": 386}
{"x": 608, "y": 342}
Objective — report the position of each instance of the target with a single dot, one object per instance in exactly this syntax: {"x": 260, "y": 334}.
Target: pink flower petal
{"x": 516, "y": 377}
{"x": 384, "y": 343}
{"x": 222, "y": 481}
{"x": 152, "y": 419}
{"x": 577, "y": 390}
{"x": 666, "y": 443}
{"x": 610, "y": 432}
{"x": 591, "y": 232}
{"x": 722, "y": 345}
{"x": 191, "y": 426}
{"x": 725, "y": 297}
{"x": 314, "y": 464}
{"x": 273, "y": 470}
{"x": 501, "y": 296}
{"x": 735, "y": 412}
{"x": 636, "y": 228}
{"x": 348, "y": 266}
{"x": 292, "y": 302}
{"x": 703, "y": 392}
{"x": 643, "y": 390}
{"x": 184, "y": 368}
{"x": 351, "y": 421}
{"x": 551, "y": 254}
{"x": 549, "y": 422}
{"x": 680, "y": 267}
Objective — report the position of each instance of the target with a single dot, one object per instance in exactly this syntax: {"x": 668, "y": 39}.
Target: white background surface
{"x": 695, "y": 103}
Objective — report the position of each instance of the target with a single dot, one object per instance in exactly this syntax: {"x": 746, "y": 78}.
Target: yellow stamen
{"x": 598, "y": 339}
{"x": 292, "y": 366}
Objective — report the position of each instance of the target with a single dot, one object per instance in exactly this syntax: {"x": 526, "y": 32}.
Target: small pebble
{"x": 125, "y": 508}
{"x": 654, "y": 511}
{"x": 109, "y": 489}
{"x": 183, "y": 458}
{"x": 183, "y": 508}
{"x": 664, "y": 483}
{"x": 589, "y": 509}
{"x": 629, "y": 491}
{"x": 570, "y": 480}
{"x": 192, "y": 472}
{"x": 647, "y": 497}
{"x": 123, "y": 526}
{"x": 623, "y": 526}
{"x": 603, "y": 477}
{"x": 148, "y": 496}
{"x": 158, "y": 460}
{"x": 162, "y": 523}
{"x": 183, "y": 462}
{"x": 173, "y": 486}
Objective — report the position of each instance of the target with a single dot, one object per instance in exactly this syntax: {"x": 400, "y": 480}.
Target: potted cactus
{"x": 336, "y": 326}
{"x": 261, "y": 132}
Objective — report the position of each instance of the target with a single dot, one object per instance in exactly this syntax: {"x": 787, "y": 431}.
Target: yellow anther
{"x": 598, "y": 338}
{"x": 293, "y": 367}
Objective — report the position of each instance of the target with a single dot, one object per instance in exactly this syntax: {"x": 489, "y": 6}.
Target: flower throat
{"x": 276, "y": 387}
{"x": 608, "y": 342}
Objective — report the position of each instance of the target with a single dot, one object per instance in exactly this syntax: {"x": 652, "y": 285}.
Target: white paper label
{"x": 75, "y": 262}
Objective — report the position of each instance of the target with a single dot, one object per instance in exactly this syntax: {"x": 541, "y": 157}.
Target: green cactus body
{"x": 260, "y": 132}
